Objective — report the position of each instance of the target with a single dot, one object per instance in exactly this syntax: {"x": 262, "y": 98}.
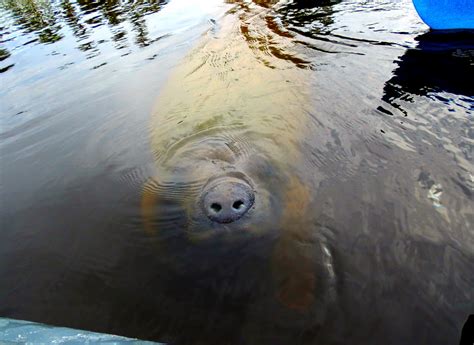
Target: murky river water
{"x": 351, "y": 122}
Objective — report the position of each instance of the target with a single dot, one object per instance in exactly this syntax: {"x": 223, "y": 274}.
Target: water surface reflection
{"x": 48, "y": 21}
{"x": 440, "y": 63}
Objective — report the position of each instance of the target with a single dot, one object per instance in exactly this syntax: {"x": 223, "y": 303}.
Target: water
{"x": 27, "y": 332}
{"x": 352, "y": 121}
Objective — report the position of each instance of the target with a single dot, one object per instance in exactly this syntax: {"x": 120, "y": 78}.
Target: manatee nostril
{"x": 216, "y": 207}
{"x": 238, "y": 205}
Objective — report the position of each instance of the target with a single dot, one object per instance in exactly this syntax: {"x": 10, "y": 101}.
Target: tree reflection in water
{"x": 50, "y": 21}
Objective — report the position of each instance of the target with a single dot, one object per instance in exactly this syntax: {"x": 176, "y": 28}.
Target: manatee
{"x": 230, "y": 187}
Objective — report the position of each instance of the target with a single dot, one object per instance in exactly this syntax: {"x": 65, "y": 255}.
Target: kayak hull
{"x": 446, "y": 14}
{"x": 26, "y": 332}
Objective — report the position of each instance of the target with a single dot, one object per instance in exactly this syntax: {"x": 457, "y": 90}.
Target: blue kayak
{"x": 446, "y": 14}
{"x": 26, "y": 332}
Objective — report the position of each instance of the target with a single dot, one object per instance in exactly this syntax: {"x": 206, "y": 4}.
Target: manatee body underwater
{"x": 230, "y": 200}
{"x": 244, "y": 224}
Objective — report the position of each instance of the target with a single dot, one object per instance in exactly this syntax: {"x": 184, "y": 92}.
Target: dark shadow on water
{"x": 441, "y": 62}
{"x": 309, "y": 18}
{"x": 467, "y": 335}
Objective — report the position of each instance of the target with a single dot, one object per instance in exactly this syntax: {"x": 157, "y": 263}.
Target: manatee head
{"x": 218, "y": 185}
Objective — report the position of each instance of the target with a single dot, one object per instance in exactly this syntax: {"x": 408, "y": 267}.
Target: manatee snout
{"x": 226, "y": 200}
